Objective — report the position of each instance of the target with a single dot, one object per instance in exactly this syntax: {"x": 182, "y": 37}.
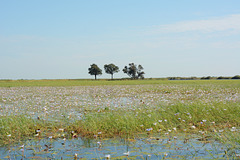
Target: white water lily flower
{"x": 61, "y": 129}
{"x": 108, "y": 156}
{"x": 193, "y": 127}
{"x": 126, "y": 154}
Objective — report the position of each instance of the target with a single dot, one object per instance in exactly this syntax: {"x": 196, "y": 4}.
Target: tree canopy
{"x": 94, "y": 70}
{"x": 111, "y": 69}
{"x": 134, "y": 71}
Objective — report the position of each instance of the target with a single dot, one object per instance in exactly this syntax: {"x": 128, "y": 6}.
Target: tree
{"x": 134, "y": 71}
{"x": 111, "y": 69}
{"x": 94, "y": 70}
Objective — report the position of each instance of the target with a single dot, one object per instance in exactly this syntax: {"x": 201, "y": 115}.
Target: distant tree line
{"x": 202, "y": 78}
{"x": 132, "y": 70}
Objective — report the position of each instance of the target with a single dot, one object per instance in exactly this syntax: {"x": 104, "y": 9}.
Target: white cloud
{"x": 231, "y": 22}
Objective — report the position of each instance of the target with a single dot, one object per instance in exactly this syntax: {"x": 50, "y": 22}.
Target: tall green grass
{"x": 159, "y": 119}
{"x": 206, "y": 118}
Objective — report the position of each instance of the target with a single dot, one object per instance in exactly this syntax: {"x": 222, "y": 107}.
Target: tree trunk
{"x": 95, "y": 76}
{"x": 112, "y": 76}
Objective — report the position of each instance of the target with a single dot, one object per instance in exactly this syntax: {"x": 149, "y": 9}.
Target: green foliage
{"x": 236, "y": 77}
{"x": 134, "y": 71}
{"x": 111, "y": 69}
{"x": 94, "y": 70}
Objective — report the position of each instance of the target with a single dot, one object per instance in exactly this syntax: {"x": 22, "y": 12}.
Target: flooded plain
{"x": 69, "y": 104}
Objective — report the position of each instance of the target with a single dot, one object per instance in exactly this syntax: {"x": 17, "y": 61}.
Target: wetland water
{"x": 139, "y": 148}
{"x": 69, "y": 104}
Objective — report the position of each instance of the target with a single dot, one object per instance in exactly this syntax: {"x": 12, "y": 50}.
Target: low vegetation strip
{"x": 87, "y": 82}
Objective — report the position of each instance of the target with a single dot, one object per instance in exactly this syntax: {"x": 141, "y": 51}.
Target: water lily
{"x": 126, "y": 154}
{"x": 99, "y": 144}
{"x": 61, "y": 129}
{"x": 108, "y": 156}
{"x": 149, "y": 129}
{"x": 233, "y": 129}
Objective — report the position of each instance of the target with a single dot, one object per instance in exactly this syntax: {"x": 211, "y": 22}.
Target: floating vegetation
{"x": 158, "y": 119}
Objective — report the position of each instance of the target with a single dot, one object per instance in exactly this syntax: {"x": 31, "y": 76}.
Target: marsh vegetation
{"x": 150, "y": 119}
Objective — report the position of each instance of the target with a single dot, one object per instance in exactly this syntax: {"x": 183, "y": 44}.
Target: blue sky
{"x": 60, "y": 39}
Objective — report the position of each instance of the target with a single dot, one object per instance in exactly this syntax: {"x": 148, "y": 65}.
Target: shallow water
{"x": 140, "y": 148}
{"x": 71, "y": 103}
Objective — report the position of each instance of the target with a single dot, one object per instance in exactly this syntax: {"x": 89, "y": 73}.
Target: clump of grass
{"x": 188, "y": 118}
{"x": 15, "y": 128}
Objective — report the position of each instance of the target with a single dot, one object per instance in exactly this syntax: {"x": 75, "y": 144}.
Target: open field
{"x": 87, "y": 82}
{"x": 67, "y": 109}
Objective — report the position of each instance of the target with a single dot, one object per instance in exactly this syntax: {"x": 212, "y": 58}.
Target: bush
{"x": 236, "y": 77}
